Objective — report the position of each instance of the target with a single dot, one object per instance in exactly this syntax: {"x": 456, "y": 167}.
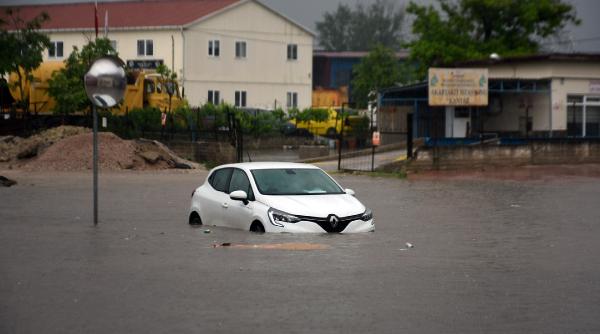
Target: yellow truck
{"x": 333, "y": 125}
{"x": 143, "y": 90}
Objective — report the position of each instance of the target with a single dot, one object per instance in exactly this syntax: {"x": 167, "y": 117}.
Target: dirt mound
{"x": 16, "y": 148}
{"x": 75, "y": 153}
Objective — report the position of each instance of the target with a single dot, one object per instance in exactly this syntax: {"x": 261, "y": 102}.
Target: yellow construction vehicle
{"x": 333, "y": 125}
{"x": 143, "y": 90}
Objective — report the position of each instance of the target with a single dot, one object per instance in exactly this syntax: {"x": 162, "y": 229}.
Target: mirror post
{"x": 95, "y": 153}
{"x": 105, "y": 84}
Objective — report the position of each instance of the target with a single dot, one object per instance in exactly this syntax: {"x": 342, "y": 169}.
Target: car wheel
{"x": 257, "y": 227}
{"x": 195, "y": 219}
{"x": 331, "y": 133}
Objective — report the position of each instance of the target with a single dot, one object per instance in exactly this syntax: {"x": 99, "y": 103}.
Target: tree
{"x": 21, "y": 50}
{"x": 378, "y": 70}
{"x": 474, "y": 29}
{"x": 362, "y": 27}
{"x": 167, "y": 80}
{"x": 66, "y": 85}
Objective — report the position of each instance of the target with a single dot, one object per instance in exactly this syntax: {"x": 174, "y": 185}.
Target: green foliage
{"x": 319, "y": 114}
{"x": 21, "y": 50}
{"x": 168, "y": 79}
{"x": 362, "y": 27}
{"x": 380, "y": 69}
{"x": 361, "y": 126}
{"x": 66, "y": 85}
{"x": 474, "y": 29}
{"x": 208, "y": 118}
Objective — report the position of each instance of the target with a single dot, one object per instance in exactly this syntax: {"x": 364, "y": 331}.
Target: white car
{"x": 278, "y": 197}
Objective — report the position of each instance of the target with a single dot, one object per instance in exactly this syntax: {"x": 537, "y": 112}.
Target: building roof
{"x": 131, "y": 15}
{"x": 353, "y": 54}
{"x": 571, "y": 57}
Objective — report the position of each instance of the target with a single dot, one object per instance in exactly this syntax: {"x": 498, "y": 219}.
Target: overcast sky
{"x": 585, "y": 38}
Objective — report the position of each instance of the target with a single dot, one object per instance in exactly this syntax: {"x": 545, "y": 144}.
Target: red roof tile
{"x": 148, "y": 13}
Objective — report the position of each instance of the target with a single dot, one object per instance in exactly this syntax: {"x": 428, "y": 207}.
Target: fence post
{"x": 372, "y": 145}
{"x": 341, "y": 140}
{"x": 409, "y": 135}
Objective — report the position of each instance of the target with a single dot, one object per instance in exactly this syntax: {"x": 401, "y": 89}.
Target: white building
{"x": 545, "y": 95}
{"x": 236, "y": 51}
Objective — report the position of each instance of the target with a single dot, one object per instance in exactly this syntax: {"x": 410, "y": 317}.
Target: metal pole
{"x": 372, "y": 146}
{"x": 341, "y": 139}
{"x": 95, "y": 121}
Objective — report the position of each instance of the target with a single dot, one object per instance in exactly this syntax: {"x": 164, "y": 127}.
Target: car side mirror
{"x": 349, "y": 192}
{"x": 239, "y": 195}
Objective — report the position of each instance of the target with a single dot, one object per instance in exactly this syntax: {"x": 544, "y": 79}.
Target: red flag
{"x": 96, "y": 17}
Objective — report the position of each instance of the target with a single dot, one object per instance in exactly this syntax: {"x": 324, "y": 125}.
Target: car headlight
{"x": 368, "y": 215}
{"x": 278, "y": 217}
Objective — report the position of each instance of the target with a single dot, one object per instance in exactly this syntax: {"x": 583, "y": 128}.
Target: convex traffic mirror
{"x": 105, "y": 82}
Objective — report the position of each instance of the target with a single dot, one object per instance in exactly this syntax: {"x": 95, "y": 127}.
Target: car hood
{"x": 341, "y": 205}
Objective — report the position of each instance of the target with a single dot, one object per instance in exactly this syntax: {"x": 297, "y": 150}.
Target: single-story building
{"x": 539, "y": 96}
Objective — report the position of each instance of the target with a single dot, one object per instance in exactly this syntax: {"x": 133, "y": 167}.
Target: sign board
{"x": 151, "y": 64}
{"x": 376, "y": 138}
{"x": 594, "y": 86}
{"x": 458, "y": 87}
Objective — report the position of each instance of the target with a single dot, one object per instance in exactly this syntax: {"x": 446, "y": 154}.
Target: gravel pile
{"x": 75, "y": 154}
{"x": 69, "y": 148}
{"x": 14, "y": 148}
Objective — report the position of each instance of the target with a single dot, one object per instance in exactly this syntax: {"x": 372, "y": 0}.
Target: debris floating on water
{"x": 207, "y": 231}
{"x": 282, "y": 246}
{"x": 6, "y": 182}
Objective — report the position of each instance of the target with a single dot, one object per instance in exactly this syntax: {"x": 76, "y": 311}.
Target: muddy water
{"x": 493, "y": 255}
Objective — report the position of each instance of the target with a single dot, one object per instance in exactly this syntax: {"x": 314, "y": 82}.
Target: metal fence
{"x": 377, "y": 147}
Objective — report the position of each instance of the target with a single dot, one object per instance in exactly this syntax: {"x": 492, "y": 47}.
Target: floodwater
{"x": 490, "y": 255}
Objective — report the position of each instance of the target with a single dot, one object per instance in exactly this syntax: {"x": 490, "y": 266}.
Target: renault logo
{"x": 333, "y": 220}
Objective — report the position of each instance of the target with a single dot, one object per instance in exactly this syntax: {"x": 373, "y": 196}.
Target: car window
{"x": 220, "y": 179}
{"x": 240, "y": 181}
{"x": 294, "y": 181}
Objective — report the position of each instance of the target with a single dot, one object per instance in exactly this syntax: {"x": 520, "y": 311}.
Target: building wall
{"x": 561, "y": 88}
{"x": 127, "y": 44}
{"x": 514, "y": 107}
{"x": 265, "y": 74}
{"x": 568, "y": 78}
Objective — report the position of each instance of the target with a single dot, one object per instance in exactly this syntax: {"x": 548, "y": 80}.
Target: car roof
{"x": 268, "y": 165}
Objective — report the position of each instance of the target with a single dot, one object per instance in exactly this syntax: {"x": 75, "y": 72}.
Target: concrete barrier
{"x": 478, "y": 156}
{"x": 201, "y": 151}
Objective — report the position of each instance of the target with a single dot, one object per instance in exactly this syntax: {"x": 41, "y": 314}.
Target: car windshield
{"x": 294, "y": 181}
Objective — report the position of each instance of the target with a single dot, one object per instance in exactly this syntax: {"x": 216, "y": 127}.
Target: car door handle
{"x": 225, "y": 205}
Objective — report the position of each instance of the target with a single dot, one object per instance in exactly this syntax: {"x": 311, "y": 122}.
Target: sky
{"x": 583, "y": 38}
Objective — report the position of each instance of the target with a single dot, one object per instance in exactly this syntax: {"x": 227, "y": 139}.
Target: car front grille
{"x": 327, "y": 226}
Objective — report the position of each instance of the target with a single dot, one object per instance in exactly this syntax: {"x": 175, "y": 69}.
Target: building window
{"x": 292, "y": 51}
{"x": 240, "y": 49}
{"x": 240, "y": 98}
{"x": 292, "y": 100}
{"x": 145, "y": 47}
{"x": 583, "y": 116}
{"x": 55, "y": 50}
{"x": 214, "y": 97}
{"x": 214, "y": 48}
{"x": 113, "y": 44}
